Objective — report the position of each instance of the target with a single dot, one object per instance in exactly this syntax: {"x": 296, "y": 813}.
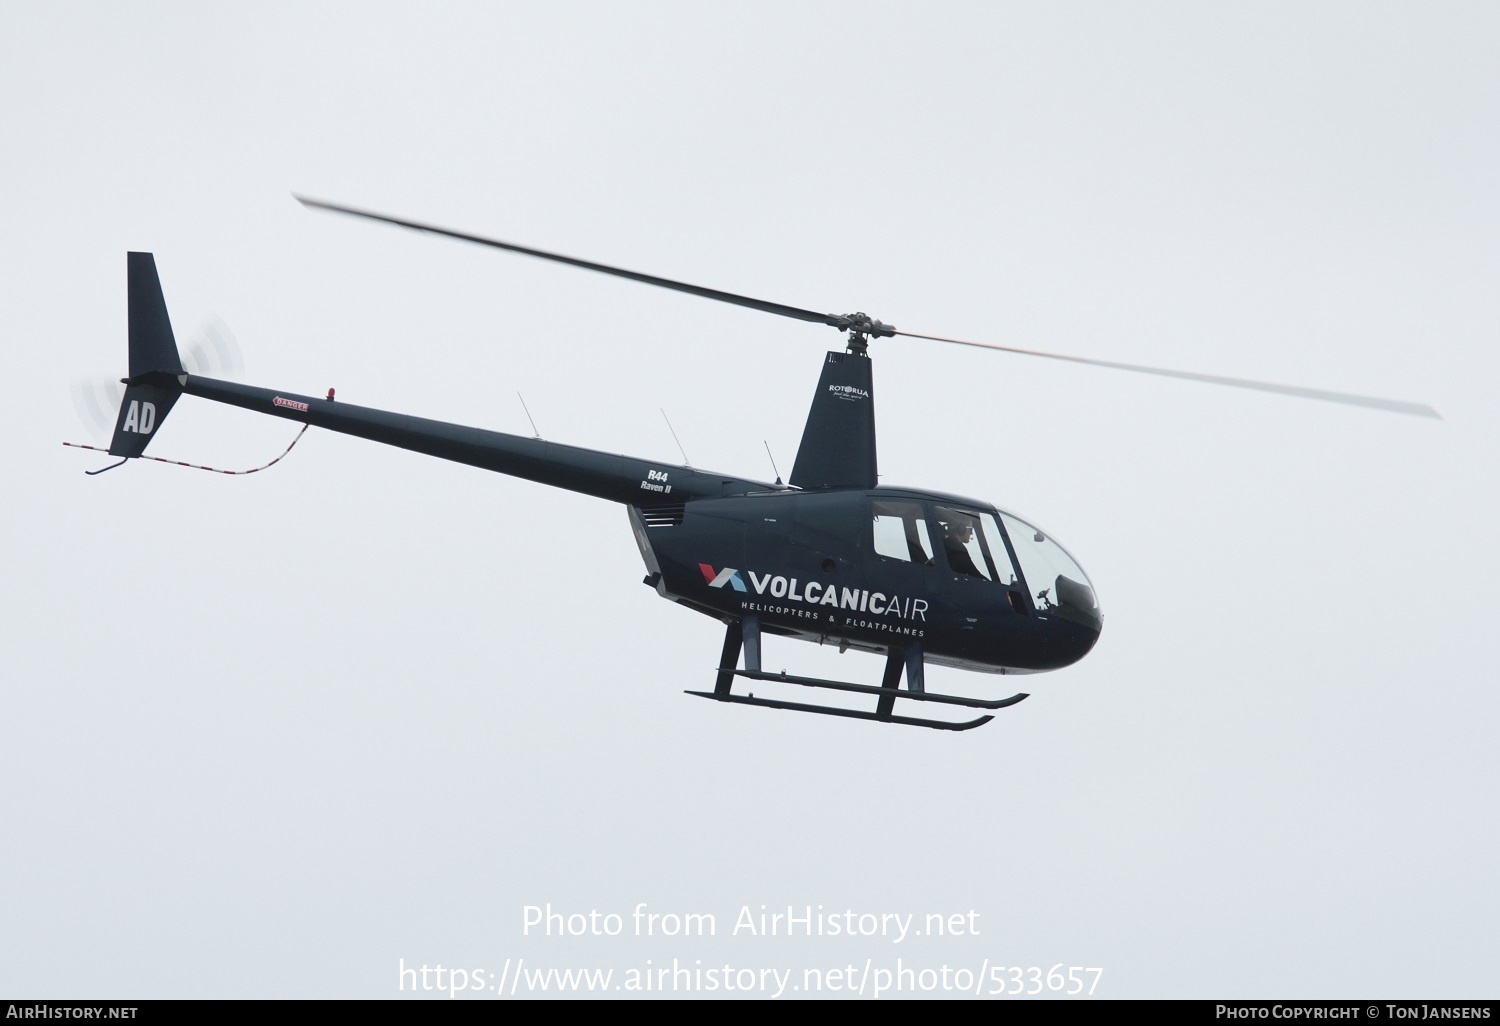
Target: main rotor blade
{"x": 861, "y": 324}
{"x": 588, "y": 265}
{"x": 1392, "y": 405}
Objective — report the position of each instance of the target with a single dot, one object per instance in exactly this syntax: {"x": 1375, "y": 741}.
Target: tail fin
{"x": 838, "y": 444}
{"x": 156, "y": 374}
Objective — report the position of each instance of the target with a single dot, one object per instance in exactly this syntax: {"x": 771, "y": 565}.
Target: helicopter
{"x": 831, "y": 556}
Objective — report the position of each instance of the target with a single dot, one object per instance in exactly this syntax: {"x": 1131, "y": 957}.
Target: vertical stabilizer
{"x": 152, "y": 345}
{"x": 156, "y": 373}
{"x": 838, "y": 444}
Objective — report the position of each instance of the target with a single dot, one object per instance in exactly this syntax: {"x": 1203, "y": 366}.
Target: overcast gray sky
{"x": 269, "y": 736}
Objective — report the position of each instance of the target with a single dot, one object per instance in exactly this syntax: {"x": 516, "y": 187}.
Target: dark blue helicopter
{"x": 831, "y": 557}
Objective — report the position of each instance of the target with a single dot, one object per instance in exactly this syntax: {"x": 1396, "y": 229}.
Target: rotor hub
{"x": 861, "y": 328}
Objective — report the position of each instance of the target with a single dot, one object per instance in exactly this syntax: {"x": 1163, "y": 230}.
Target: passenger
{"x": 956, "y": 536}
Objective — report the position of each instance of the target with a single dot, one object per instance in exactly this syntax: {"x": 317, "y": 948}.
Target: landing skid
{"x": 745, "y": 634}
{"x": 829, "y": 710}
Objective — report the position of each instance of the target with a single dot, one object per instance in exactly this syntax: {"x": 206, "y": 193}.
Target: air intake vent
{"x": 668, "y": 515}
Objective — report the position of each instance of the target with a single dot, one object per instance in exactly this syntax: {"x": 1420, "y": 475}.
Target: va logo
{"x": 719, "y": 578}
{"x": 140, "y": 418}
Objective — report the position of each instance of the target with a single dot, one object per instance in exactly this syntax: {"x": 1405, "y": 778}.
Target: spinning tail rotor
{"x": 158, "y": 374}
{"x": 212, "y": 351}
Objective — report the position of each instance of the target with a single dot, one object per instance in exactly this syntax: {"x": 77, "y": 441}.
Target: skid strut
{"x": 745, "y": 634}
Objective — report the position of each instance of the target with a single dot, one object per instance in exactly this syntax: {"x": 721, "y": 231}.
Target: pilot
{"x": 956, "y": 535}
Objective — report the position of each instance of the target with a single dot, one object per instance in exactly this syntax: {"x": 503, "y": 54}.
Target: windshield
{"x": 1057, "y": 583}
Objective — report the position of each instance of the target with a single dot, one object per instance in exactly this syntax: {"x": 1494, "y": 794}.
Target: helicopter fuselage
{"x": 833, "y": 557}
{"x": 864, "y": 569}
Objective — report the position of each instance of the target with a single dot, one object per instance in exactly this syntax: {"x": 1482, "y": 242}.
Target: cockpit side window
{"x": 900, "y": 532}
{"x": 974, "y": 545}
{"x": 999, "y": 553}
{"x": 962, "y": 543}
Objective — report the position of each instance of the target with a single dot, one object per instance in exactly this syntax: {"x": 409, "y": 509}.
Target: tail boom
{"x": 601, "y": 474}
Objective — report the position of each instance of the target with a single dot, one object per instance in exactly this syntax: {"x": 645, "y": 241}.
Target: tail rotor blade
{"x": 213, "y": 352}
{"x": 95, "y": 400}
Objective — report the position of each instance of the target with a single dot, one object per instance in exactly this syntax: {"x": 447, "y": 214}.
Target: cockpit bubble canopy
{"x": 1058, "y": 584}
